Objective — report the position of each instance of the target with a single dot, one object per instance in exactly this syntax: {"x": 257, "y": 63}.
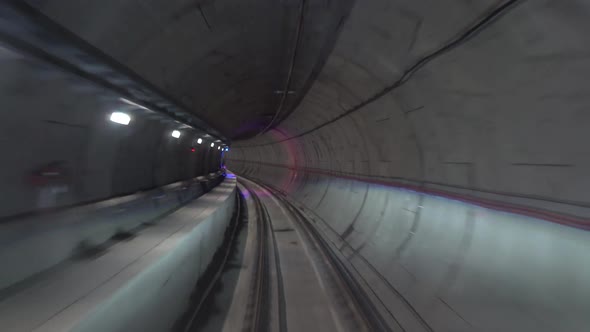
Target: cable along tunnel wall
{"x": 498, "y": 121}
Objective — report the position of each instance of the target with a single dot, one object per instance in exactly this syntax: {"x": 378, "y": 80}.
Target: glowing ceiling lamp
{"x": 199, "y": 141}
{"x": 120, "y": 118}
{"x": 175, "y": 134}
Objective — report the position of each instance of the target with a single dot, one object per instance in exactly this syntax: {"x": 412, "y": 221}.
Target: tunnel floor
{"x": 283, "y": 276}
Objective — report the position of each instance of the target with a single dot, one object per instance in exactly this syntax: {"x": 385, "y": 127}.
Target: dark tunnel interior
{"x": 302, "y": 165}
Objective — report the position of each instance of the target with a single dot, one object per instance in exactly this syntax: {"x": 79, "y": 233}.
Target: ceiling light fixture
{"x": 120, "y": 118}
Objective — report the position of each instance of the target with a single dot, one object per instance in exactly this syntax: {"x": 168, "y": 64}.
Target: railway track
{"x": 350, "y": 309}
{"x": 345, "y": 272}
{"x": 291, "y": 279}
{"x": 257, "y": 318}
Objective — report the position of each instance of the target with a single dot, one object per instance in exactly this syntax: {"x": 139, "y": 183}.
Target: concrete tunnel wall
{"x": 49, "y": 116}
{"x": 500, "y": 121}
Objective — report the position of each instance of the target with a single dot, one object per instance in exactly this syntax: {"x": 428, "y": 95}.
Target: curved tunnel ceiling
{"x": 455, "y": 94}
{"x": 241, "y": 65}
{"x": 467, "y": 96}
{"x": 483, "y": 97}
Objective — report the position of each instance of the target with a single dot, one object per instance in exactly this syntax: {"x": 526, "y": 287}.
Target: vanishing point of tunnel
{"x": 294, "y": 165}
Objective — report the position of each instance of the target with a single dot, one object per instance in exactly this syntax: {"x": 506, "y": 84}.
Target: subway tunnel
{"x": 302, "y": 165}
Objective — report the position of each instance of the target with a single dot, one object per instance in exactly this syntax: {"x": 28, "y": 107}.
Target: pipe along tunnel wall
{"x": 498, "y": 119}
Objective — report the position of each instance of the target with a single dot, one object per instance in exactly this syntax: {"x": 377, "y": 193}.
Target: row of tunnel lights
{"x": 125, "y": 119}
